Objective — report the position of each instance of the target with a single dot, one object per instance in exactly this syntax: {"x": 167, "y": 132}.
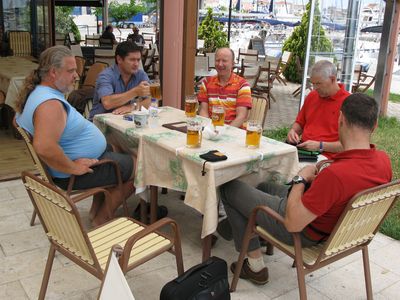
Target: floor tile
{"x": 14, "y": 206}
{"x": 387, "y": 256}
{"x": 23, "y": 241}
{"x": 349, "y": 280}
{"x": 391, "y": 292}
{"x": 14, "y": 223}
{"x": 10, "y": 183}
{"x": 12, "y": 290}
{"x": 18, "y": 191}
{"x": 64, "y": 283}
{"x": 20, "y": 266}
{"x": 311, "y": 294}
{"x": 5, "y": 195}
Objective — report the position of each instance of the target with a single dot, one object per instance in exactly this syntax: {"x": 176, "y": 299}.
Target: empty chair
{"x": 90, "y": 249}
{"x": 249, "y": 54}
{"x": 362, "y": 81}
{"x": 76, "y": 50}
{"x": 92, "y": 40}
{"x": 20, "y": 43}
{"x": 259, "y": 109}
{"x": 148, "y": 61}
{"x": 92, "y": 73}
{"x": 353, "y": 232}
{"x": 211, "y": 59}
{"x": 104, "y": 42}
{"x": 285, "y": 58}
{"x": 105, "y": 55}
{"x": 201, "y": 64}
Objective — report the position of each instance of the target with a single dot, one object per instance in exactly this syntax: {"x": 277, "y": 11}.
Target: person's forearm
{"x": 332, "y": 146}
{"x": 117, "y": 100}
{"x": 294, "y": 197}
{"x": 55, "y": 158}
{"x": 238, "y": 121}
{"x": 297, "y": 128}
{"x": 204, "y": 110}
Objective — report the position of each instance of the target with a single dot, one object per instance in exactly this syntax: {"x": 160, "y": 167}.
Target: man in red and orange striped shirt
{"x": 227, "y": 89}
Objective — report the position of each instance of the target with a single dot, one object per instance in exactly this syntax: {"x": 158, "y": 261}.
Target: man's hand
{"x": 309, "y": 145}
{"x": 82, "y": 165}
{"x": 293, "y": 137}
{"x": 143, "y": 89}
{"x": 309, "y": 173}
{"x": 123, "y": 109}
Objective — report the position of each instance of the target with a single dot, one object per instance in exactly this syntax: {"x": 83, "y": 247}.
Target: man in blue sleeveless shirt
{"x": 63, "y": 139}
{"x": 118, "y": 86}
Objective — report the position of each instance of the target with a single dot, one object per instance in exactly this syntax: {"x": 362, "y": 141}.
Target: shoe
{"x": 162, "y": 211}
{"x": 259, "y": 278}
{"x": 224, "y": 229}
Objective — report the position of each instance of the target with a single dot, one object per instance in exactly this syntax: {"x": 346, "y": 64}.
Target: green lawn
{"x": 387, "y": 138}
{"x": 392, "y": 97}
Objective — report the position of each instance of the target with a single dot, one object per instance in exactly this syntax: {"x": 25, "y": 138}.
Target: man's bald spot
{"x": 228, "y": 50}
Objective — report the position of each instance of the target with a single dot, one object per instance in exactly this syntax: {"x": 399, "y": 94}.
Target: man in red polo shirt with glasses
{"x": 316, "y": 125}
{"x": 226, "y": 89}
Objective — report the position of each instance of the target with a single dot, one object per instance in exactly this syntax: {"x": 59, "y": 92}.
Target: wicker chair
{"x": 354, "y": 231}
{"x": 90, "y": 249}
{"x": 20, "y": 43}
{"x": 92, "y": 73}
{"x": 44, "y": 175}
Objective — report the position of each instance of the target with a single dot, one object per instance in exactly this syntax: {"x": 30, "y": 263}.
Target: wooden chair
{"x": 285, "y": 58}
{"x": 299, "y": 70}
{"x": 259, "y": 109}
{"x": 354, "y": 231}
{"x": 105, "y": 55}
{"x": 266, "y": 78}
{"x": 250, "y": 54}
{"x": 148, "y": 62}
{"x": 92, "y": 40}
{"x": 80, "y": 68}
{"x": 20, "y": 43}
{"x": 41, "y": 169}
{"x": 106, "y": 42}
{"x": 362, "y": 81}
{"x": 211, "y": 59}
{"x": 90, "y": 249}
{"x": 92, "y": 73}
{"x": 76, "y": 50}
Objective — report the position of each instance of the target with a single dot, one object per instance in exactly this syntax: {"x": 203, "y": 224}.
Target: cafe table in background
{"x": 163, "y": 160}
{"x": 13, "y": 71}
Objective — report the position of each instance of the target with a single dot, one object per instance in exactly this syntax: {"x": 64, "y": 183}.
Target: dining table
{"x": 164, "y": 160}
{"x": 13, "y": 71}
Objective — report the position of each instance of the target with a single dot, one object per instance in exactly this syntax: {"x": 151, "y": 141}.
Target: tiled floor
{"x": 24, "y": 251}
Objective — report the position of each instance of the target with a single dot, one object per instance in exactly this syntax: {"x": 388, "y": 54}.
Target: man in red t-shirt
{"x": 226, "y": 89}
{"x": 314, "y": 212}
{"x": 317, "y": 121}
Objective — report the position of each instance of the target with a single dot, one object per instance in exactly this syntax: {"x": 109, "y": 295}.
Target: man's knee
{"x": 230, "y": 189}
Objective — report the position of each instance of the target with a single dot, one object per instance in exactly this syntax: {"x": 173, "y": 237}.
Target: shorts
{"x": 102, "y": 175}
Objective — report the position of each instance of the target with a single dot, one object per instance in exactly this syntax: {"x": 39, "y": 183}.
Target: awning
{"x": 374, "y": 29}
{"x": 89, "y": 3}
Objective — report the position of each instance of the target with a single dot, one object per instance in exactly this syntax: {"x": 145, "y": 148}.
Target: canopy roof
{"x": 90, "y": 3}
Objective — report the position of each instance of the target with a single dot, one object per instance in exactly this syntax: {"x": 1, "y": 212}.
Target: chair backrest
{"x": 361, "y": 218}
{"x": 104, "y": 55}
{"x": 76, "y": 50}
{"x": 149, "y": 59}
{"x": 250, "y": 54}
{"x": 80, "y": 65}
{"x": 200, "y": 44}
{"x": 39, "y": 165}
{"x": 20, "y": 43}
{"x": 93, "y": 72}
{"x": 201, "y": 63}
{"x": 92, "y": 40}
{"x": 211, "y": 59}
{"x": 259, "y": 109}
{"x": 106, "y": 42}
{"x": 60, "y": 218}
{"x": 286, "y": 55}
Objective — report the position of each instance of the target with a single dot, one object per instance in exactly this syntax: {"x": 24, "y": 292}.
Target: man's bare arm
{"x": 117, "y": 100}
{"x": 294, "y": 134}
{"x": 204, "y": 109}
{"x": 46, "y": 138}
{"x": 326, "y": 146}
{"x": 241, "y": 116}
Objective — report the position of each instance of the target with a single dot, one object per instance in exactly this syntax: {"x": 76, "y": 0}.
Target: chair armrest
{"x": 124, "y": 259}
{"x": 265, "y": 209}
{"x": 89, "y": 193}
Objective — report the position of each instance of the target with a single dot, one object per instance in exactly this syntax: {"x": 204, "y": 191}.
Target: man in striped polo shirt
{"x": 227, "y": 89}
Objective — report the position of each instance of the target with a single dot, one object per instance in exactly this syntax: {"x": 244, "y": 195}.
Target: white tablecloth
{"x": 164, "y": 160}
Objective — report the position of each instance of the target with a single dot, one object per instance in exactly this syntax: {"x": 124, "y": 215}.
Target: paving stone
{"x": 14, "y": 223}
{"x": 5, "y": 195}
{"x": 23, "y": 241}
{"x": 12, "y": 290}
{"x": 14, "y": 206}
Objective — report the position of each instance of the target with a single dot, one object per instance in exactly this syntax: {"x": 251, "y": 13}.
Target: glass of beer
{"x": 253, "y": 134}
{"x": 193, "y": 134}
{"x": 191, "y": 106}
{"x": 155, "y": 90}
{"x": 218, "y": 115}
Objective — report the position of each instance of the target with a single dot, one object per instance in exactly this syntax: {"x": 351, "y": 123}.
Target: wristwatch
{"x": 298, "y": 179}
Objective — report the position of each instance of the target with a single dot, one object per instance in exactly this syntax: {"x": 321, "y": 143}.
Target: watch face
{"x": 297, "y": 179}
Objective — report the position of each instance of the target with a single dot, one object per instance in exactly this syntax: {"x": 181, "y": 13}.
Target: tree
{"x": 65, "y": 23}
{"x": 297, "y": 42}
{"x": 211, "y": 32}
{"x": 123, "y": 11}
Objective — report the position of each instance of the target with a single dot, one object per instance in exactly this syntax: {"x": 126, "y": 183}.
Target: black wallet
{"x": 213, "y": 155}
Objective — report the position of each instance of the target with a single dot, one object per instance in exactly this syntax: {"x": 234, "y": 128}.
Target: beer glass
{"x": 218, "y": 115}
{"x": 191, "y": 106}
{"x": 253, "y": 134}
{"x": 155, "y": 90}
{"x": 193, "y": 134}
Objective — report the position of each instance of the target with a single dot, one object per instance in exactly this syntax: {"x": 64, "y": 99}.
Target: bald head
{"x": 226, "y": 51}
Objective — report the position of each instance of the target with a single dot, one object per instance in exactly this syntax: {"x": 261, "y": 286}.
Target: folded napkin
{"x": 213, "y": 133}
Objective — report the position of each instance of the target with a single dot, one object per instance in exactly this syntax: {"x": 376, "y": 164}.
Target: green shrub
{"x": 211, "y": 32}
